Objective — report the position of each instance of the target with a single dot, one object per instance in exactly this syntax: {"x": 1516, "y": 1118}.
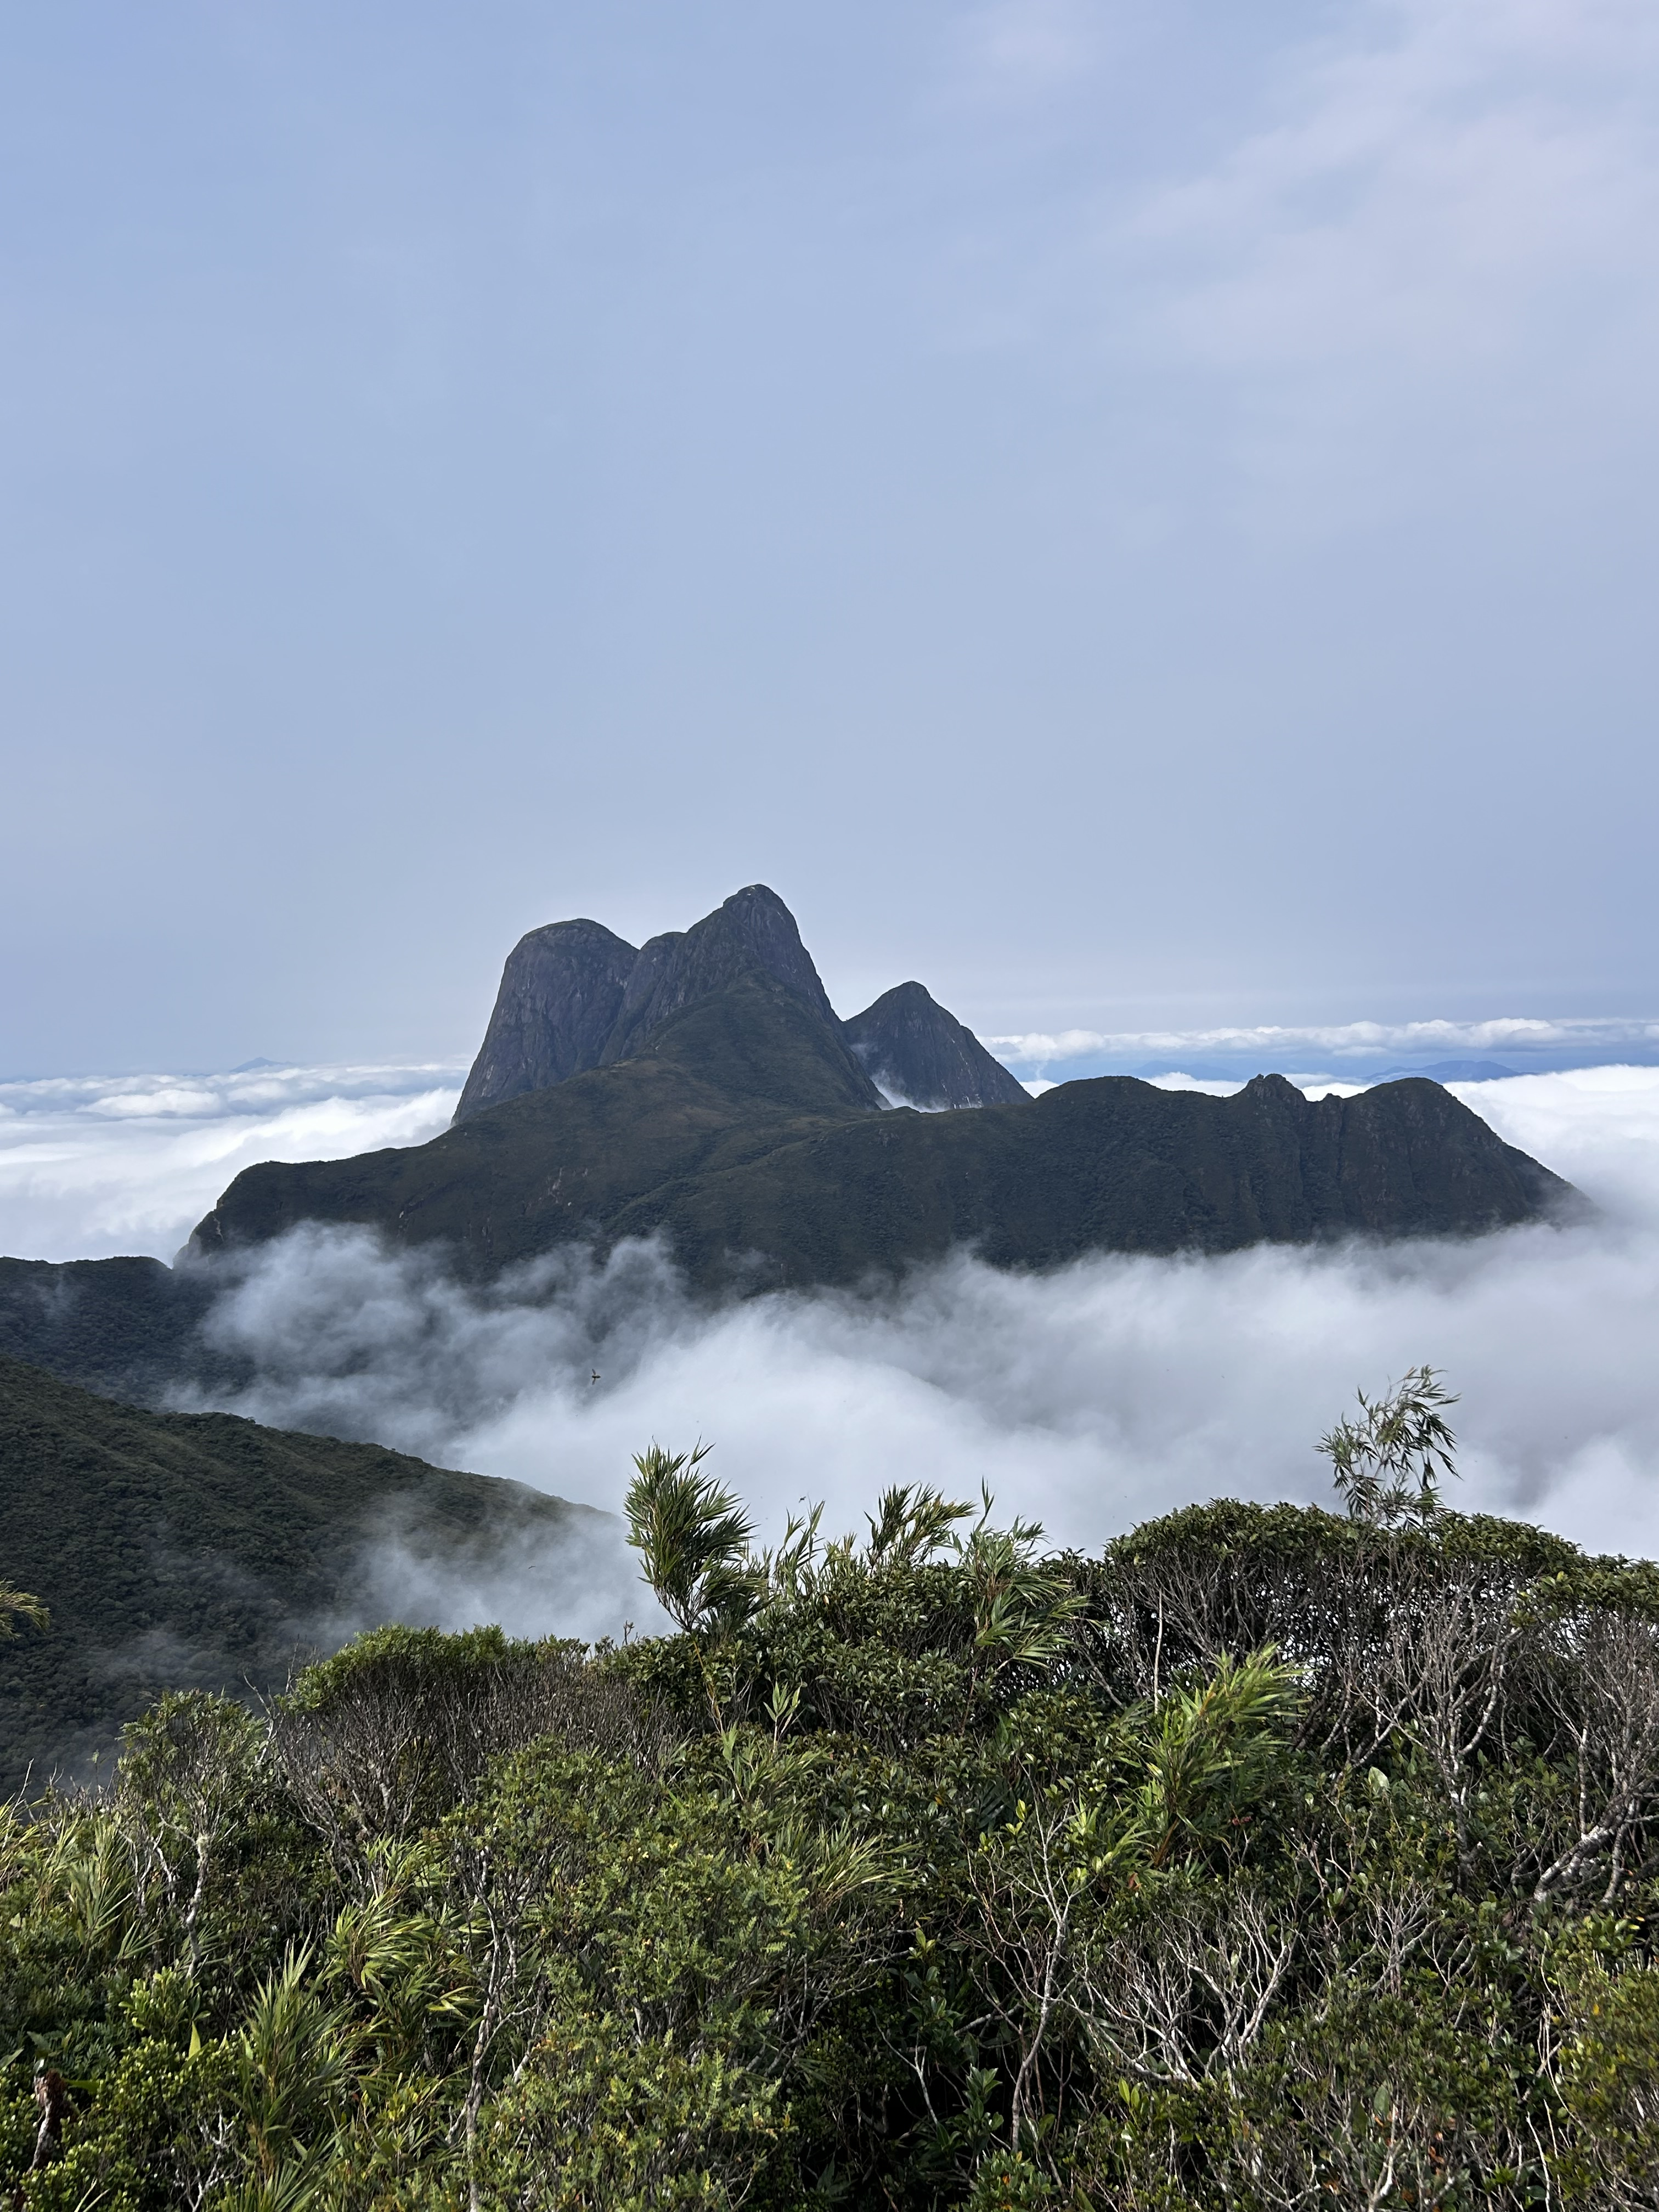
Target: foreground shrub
{"x": 1273, "y": 1859}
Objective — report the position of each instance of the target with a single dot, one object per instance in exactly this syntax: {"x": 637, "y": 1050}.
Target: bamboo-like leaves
{"x": 17, "y": 1605}
{"x": 1211, "y": 1745}
{"x": 693, "y": 1539}
{"x": 1387, "y": 1463}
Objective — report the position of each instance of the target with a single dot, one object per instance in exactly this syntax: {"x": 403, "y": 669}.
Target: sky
{"x": 1139, "y": 515}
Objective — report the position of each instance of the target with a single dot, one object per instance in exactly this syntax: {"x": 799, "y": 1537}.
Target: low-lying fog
{"x": 1092, "y": 1398}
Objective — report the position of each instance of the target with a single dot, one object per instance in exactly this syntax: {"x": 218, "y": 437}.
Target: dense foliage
{"x": 1274, "y": 1858}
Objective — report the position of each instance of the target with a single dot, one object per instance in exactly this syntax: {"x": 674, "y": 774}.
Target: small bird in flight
{"x": 594, "y": 1377}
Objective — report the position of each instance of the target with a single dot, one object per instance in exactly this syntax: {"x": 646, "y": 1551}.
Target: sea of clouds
{"x": 94, "y": 1165}
{"x": 1091, "y": 1398}
{"x": 1331, "y": 1054}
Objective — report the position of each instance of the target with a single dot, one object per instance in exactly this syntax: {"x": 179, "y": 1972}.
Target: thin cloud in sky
{"x": 1446, "y": 237}
{"x": 1017, "y": 51}
{"x": 1213, "y": 439}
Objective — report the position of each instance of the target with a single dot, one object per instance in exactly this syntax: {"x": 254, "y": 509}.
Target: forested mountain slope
{"x": 178, "y": 1550}
{"x": 789, "y": 1183}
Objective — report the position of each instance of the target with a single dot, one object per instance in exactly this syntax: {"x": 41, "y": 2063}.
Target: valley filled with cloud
{"x": 1090, "y": 1397}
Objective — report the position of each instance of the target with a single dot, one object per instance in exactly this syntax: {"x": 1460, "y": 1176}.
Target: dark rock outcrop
{"x": 561, "y": 991}
{"x": 575, "y": 997}
{"x": 918, "y": 1054}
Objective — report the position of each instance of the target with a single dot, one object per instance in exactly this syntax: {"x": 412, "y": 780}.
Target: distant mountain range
{"x": 1452, "y": 1070}
{"x": 702, "y": 1089}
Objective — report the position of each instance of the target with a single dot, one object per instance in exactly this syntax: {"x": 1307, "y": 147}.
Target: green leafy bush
{"x": 1274, "y": 1858}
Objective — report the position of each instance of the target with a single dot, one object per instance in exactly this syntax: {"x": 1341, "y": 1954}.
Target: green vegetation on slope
{"x": 1273, "y": 1859}
{"x": 126, "y": 1326}
{"x": 734, "y": 1133}
{"x": 728, "y": 1081}
{"x": 199, "y": 1549}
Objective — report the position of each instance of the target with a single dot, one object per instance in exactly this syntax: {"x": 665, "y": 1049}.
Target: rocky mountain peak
{"x": 752, "y": 929}
{"x": 919, "y": 1054}
{"x": 574, "y": 996}
{"x": 560, "y": 993}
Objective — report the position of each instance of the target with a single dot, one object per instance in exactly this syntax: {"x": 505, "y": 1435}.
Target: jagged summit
{"x": 751, "y": 930}
{"x": 575, "y": 996}
{"x": 918, "y": 1054}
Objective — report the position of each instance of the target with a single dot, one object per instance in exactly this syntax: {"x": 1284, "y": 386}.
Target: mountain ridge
{"x": 742, "y": 1128}
{"x": 575, "y": 997}
{"x": 748, "y": 1193}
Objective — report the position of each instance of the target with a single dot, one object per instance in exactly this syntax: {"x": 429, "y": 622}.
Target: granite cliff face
{"x": 917, "y": 1054}
{"x": 561, "y": 991}
{"x": 753, "y": 933}
{"x": 574, "y": 996}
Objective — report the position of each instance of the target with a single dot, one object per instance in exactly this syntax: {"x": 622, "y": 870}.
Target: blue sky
{"x": 1141, "y": 515}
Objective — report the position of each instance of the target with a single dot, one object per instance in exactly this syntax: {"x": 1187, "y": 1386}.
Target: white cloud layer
{"x": 1093, "y": 1397}
{"x": 1277, "y": 1046}
{"x": 1434, "y": 251}
{"x": 94, "y": 1165}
